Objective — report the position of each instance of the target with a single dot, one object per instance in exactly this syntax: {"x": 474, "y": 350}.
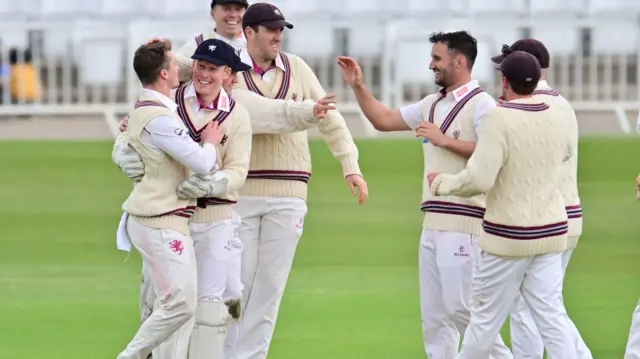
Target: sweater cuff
{"x": 435, "y": 184}
{"x": 303, "y": 111}
{"x": 350, "y": 165}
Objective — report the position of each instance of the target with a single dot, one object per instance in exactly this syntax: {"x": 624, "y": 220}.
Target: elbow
{"x": 199, "y": 169}
{"x": 203, "y": 167}
{"x": 380, "y": 126}
{"x": 480, "y": 187}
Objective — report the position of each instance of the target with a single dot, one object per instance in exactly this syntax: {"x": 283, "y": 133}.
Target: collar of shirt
{"x": 543, "y": 85}
{"x": 459, "y": 93}
{"x": 246, "y": 58}
{"x": 221, "y": 102}
{"x": 162, "y": 98}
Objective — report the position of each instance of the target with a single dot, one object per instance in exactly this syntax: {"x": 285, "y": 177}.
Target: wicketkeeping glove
{"x": 212, "y": 184}
{"x": 127, "y": 159}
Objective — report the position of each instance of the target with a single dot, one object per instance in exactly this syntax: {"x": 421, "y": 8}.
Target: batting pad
{"x": 210, "y": 331}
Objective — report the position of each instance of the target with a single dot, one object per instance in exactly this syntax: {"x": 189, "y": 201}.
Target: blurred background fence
{"x": 80, "y": 51}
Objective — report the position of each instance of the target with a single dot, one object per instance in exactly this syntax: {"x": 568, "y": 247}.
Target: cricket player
{"x": 227, "y": 16}
{"x": 157, "y": 217}
{"x": 273, "y": 200}
{"x": 633, "y": 344}
{"x": 216, "y": 253}
{"x": 449, "y": 121}
{"x": 214, "y": 224}
{"x": 526, "y": 340}
{"x": 518, "y": 162}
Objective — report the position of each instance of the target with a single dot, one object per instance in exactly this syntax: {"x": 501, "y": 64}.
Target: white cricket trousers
{"x": 446, "y": 271}
{"x": 633, "y": 345}
{"x": 526, "y": 341}
{"x": 170, "y": 260}
{"x": 496, "y": 284}
{"x": 217, "y": 249}
{"x": 270, "y": 230}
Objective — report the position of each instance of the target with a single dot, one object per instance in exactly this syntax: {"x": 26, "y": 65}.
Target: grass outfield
{"x": 66, "y": 293}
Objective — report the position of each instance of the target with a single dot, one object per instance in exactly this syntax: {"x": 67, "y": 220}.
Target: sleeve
{"x": 333, "y": 128}
{"x": 412, "y": 114}
{"x": 270, "y": 116}
{"x": 483, "y": 106}
{"x": 171, "y": 137}
{"x": 235, "y": 164}
{"x": 484, "y": 165}
{"x": 183, "y": 58}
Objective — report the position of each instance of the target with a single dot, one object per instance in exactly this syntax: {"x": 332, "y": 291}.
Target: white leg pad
{"x": 210, "y": 331}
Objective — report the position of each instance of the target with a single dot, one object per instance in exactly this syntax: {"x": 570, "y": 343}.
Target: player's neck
{"x": 459, "y": 83}
{"x": 161, "y": 87}
{"x": 227, "y": 35}
{"x": 511, "y": 96}
{"x": 208, "y": 99}
{"x": 258, "y": 59}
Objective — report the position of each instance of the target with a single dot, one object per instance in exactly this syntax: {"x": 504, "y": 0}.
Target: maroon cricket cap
{"x": 532, "y": 46}
{"x": 266, "y": 15}
{"x": 521, "y": 68}
{"x": 239, "y": 2}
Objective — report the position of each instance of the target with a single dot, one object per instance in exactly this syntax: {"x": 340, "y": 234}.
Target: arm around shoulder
{"x": 183, "y": 58}
{"x": 483, "y": 167}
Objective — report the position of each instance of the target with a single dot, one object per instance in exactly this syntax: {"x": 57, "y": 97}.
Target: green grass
{"x": 66, "y": 293}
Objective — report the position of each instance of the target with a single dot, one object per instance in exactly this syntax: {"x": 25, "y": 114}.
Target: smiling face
{"x": 228, "y": 19}
{"x": 208, "y": 77}
{"x": 265, "y": 41}
{"x": 443, "y": 64}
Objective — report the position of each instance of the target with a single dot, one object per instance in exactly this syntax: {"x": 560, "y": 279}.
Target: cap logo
{"x": 277, "y": 12}
{"x": 212, "y": 48}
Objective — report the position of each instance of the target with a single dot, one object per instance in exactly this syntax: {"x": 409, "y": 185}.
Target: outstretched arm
{"x": 333, "y": 129}
{"x": 381, "y": 117}
{"x": 269, "y": 116}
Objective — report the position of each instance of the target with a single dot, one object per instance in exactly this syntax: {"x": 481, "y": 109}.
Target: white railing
{"x": 91, "y": 73}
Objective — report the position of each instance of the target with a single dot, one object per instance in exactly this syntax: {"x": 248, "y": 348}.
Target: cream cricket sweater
{"x": 187, "y": 50}
{"x": 233, "y": 153}
{"x": 276, "y": 116}
{"x": 518, "y": 163}
{"x": 281, "y": 163}
{"x": 154, "y": 201}
{"x": 569, "y": 182}
{"x": 451, "y": 213}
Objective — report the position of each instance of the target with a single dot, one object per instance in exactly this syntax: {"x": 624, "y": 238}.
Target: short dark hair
{"x": 460, "y": 42}
{"x": 150, "y": 59}
{"x": 523, "y": 90}
{"x": 255, "y": 28}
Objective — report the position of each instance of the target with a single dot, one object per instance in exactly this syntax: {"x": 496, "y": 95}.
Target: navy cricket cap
{"x": 216, "y": 52}
{"x": 532, "y": 46}
{"x": 521, "y": 69}
{"x": 266, "y": 15}
{"x": 238, "y": 65}
{"x": 243, "y": 3}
